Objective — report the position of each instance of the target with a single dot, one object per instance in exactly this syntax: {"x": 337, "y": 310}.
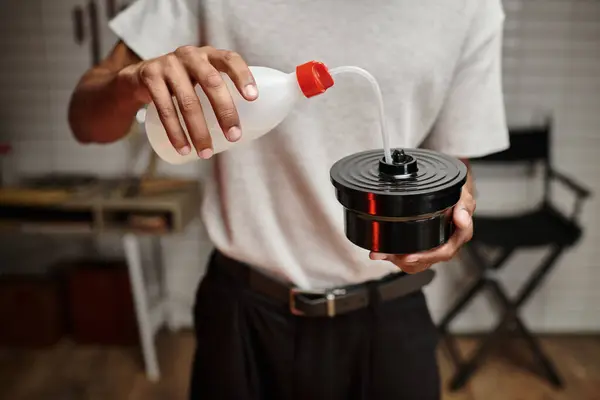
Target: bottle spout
{"x": 313, "y": 78}
{"x": 377, "y": 92}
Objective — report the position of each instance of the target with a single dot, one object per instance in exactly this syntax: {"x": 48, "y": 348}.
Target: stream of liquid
{"x": 377, "y": 91}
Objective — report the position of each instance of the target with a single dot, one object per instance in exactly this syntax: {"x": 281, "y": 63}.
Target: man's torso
{"x": 270, "y": 202}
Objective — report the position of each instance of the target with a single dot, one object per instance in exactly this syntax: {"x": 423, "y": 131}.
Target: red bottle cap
{"x": 314, "y": 78}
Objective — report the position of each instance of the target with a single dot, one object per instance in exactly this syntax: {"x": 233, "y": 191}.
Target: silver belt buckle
{"x": 330, "y": 297}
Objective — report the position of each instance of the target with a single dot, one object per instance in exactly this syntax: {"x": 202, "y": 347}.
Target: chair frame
{"x": 486, "y": 269}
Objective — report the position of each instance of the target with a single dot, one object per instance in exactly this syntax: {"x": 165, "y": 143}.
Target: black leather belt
{"x": 325, "y": 303}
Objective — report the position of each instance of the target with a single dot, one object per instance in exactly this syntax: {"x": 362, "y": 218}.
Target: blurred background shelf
{"x": 85, "y": 205}
{"x": 156, "y": 205}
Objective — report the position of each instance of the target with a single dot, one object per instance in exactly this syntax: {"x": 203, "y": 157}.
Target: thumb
{"x": 378, "y": 256}
{"x": 462, "y": 217}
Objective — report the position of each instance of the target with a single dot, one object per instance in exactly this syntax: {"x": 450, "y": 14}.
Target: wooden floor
{"x": 70, "y": 372}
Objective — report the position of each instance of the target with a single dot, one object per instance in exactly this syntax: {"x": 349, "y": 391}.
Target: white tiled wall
{"x": 552, "y": 63}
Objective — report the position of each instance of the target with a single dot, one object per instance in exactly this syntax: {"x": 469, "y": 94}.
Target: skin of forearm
{"x": 101, "y": 110}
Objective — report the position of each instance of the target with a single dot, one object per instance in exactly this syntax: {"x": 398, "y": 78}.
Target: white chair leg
{"x": 134, "y": 263}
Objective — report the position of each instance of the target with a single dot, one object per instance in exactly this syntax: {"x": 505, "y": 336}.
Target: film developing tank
{"x": 398, "y": 207}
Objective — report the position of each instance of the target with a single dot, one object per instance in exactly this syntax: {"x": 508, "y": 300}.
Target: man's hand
{"x": 108, "y": 96}
{"x": 462, "y": 216}
{"x": 175, "y": 75}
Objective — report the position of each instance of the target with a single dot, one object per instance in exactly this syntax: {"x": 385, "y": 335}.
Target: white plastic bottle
{"x": 278, "y": 92}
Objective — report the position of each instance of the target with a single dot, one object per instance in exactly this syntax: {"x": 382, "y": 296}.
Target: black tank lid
{"x": 418, "y": 182}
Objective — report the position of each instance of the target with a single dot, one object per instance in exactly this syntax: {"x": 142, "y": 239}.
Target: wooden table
{"x": 161, "y": 207}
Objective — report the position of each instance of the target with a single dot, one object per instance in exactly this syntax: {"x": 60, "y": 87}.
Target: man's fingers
{"x": 414, "y": 268}
{"x": 189, "y": 105}
{"x": 413, "y": 263}
{"x": 176, "y": 74}
{"x": 462, "y": 218}
{"x": 217, "y": 93}
{"x": 400, "y": 262}
{"x": 464, "y": 209}
{"x": 152, "y": 76}
{"x": 443, "y": 253}
{"x": 378, "y": 256}
{"x": 234, "y": 65}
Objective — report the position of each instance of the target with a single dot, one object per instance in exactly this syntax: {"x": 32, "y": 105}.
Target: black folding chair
{"x": 545, "y": 226}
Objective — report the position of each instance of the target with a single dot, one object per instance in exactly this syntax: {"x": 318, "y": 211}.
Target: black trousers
{"x": 250, "y": 347}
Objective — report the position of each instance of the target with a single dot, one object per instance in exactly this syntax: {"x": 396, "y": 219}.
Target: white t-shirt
{"x": 270, "y": 202}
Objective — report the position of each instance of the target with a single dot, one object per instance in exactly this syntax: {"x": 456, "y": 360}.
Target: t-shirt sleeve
{"x": 151, "y": 28}
{"x": 472, "y": 121}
